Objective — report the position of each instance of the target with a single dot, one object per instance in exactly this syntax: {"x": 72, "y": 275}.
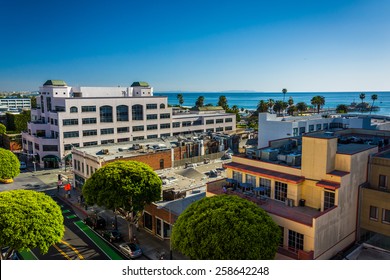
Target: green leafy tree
{"x": 3, "y": 129}
{"x": 222, "y": 101}
{"x": 125, "y": 187}
{"x": 318, "y": 101}
{"x": 18, "y": 122}
{"x": 180, "y": 98}
{"x": 225, "y": 227}
{"x": 33, "y": 102}
{"x": 29, "y": 219}
{"x": 373, "y": 98}
{"x": 9, "y": 164}
{"x": 301, "y": 107}
{"x": 291, "y": 110}
{"x": 342, "y": 108}
{"x": 199, "y": 102}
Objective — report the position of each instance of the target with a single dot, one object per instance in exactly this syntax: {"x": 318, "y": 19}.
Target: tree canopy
{"x": 225, "y": 227}
{"x": 9, "y": 164}
{"x": 318, "y": 101}
{"x": 199, "y": 102}
{"x": 180, "y": 98}
{"x": 3, "y": 129}
{"x": 222, "y": 101}
{"x": 29, "y": 219}
{"x": 125, "y": 185}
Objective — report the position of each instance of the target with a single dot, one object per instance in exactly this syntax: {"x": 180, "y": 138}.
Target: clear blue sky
{"x": 202, "y": 45}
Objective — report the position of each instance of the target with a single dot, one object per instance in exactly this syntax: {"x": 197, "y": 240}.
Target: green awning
{"x": 51, "y": 158}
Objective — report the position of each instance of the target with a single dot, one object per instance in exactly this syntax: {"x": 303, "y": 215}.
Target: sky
{"x": 202, "y": 45}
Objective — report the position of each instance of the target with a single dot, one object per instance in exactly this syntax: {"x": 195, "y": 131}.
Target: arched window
{"x": 105, "y": 114}
{"x": 122, "y": 113}
{"x": 162, "y": 106}
{"x": 137, "y": 112}
{"x": 73, "y": 109}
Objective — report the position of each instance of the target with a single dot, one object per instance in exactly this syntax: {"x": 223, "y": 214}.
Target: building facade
{"x": 310, "y": 186}
{"x": 68, "y": 117}
{"x": 272, "y": 127}
{"x": 15, "y": 104}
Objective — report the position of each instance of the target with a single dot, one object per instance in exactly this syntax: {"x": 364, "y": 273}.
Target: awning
{"x": 260, "y": 189}
{"x": 51, "y": 158}
{"x": 246, "y": 185}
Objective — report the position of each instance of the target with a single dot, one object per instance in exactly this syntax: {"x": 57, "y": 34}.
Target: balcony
{"x": 300, "y": 214}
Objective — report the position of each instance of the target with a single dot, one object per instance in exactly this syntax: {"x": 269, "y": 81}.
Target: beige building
{"x": 309, "y": 185}
{"x": 375, "y": 202}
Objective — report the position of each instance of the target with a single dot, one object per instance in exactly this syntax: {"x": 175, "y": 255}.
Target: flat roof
{"x": 351, "y": 148}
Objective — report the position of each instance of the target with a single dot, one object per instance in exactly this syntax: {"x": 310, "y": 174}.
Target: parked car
{"x": 130, "y": 249}
{"x": 23, "y": 165}
{"x": 112, "y": 235}
{"x": 95, "y": 222}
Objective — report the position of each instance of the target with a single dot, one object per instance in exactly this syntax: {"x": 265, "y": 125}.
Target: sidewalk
{"x": 149, "y": 243}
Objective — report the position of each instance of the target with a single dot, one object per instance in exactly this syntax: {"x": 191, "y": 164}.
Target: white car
{"x": 130, "y": 249}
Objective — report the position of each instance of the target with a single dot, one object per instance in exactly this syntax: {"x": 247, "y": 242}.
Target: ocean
{"x": 249, "y": 100}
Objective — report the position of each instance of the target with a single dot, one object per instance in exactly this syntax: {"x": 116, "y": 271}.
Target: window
{"x": 250, "y": 179}
{"x": 86, "y": 144}
{"x": 266, "y": 184}
{"x": 153, "y": 136}
{"x": 280, "y": 191}
{"x": 162, "y": 106}
{"x": 295, "y": 241}
{"x": 219, "y": 121}
{"x": 165, "y": 135}
{"x": 105, "y": 131}
{"x": 89, "y": 120}
{"x": 318, "y": 127}
{"x": 151, "y": 106}
{"x": 382, "y": 182}
{"x": 209, "y": 121}
{"x": 210, "y": 130}
{"x": 122, "y": 113}
{"x": 165, "y": 116}
{"x": 51, "y": 148}
{"x": 165, "y": 125}
{"x": 123, "y": 140}
{"x": 161, "y": 163}
{"x": 138, "y": 128}
{"x": 374, "y": 213}
{"x": 36, "y": 146}
{"x": 90, "y": 132}
{"x": 229, "y": 128}
{"x": 151, "y": 127}
{"x": 151, "y": 117}
{"x": 386, "y": 216}
{"x": 295, "y": 131}
{"x": 185, "y": 124}
{"x": 197, "y": 122}
{"x": 237, "y": 176}
{"x": 228, "y": 120}
{"x": 70, "y": 122}
{"x": 71, "y": 134}
{"x": 311, "y": 127}
{"x": 137, "y": 112}
{"x": 302, "y": 130}
{"x": 176, "y": 124}
{"x": 325, "y": 126}
{"x": 219, "y": 129}
{"x": 122, "y": 129}
{"x": 148, "y": 221}
{"x": 281, "y": 241}
{"x": 105, "y": 114}
{"x": 110, "y": 141}
{"x": 88, "y": 109}
{"x": 137, "y": 138}
{"x": 329, "y": 197}
{"x": 73, "y": 109}
{"x": 48, "y": 103}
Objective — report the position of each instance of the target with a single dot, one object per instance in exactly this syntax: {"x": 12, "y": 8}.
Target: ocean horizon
{"x": 249, "y": 100}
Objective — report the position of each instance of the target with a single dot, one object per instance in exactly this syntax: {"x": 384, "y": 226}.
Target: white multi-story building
{"x": 87, "y": 116}
{"x": 14, "y": 104}
{"x": 272, "y": 127}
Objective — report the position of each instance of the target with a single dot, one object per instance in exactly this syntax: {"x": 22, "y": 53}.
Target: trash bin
{"x": 302, "y": 202}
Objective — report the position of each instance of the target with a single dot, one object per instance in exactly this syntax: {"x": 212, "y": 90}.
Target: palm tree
{"x": 284, "y": 91}
{"x": 290, "y": 101}
{"x": 262, "y": 106}
{"x": 291, "y": 110}
{"x": 342, "y": 108}
{"x": 318, "y": 101}
{"x": 180, "y": 99}
{"x": 235, "y": 109}
{"x": 301, "y": 107}
{"x": 222, "y": 101}
{"x": 280, "y": 106}
{"x": 199, "y": 102}
{"x": 271, "y": 104}
{"x": 373, "y": 98}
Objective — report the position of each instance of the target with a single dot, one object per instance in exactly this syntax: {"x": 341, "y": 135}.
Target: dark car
{"x": 95, "y": 222}
{"x": 112, "y": 235}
